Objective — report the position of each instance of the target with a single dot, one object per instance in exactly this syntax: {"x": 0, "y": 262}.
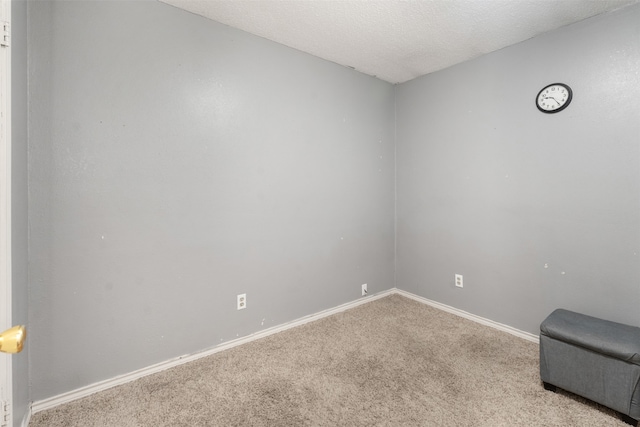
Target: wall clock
{"x": 554, "y": 98}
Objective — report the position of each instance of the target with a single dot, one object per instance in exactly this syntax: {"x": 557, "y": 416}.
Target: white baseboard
{"x": 63, "y": 398}
{"x": 505, "y": 328}
{"x": 27, "y": 418}
{"x": 79, "y": 393}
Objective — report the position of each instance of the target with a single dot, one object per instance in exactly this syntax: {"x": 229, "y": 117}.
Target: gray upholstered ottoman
{"x": 593, "y": 358}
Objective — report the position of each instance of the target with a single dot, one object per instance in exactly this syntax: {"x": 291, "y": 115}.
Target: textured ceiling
{"x": 398, "y": 40}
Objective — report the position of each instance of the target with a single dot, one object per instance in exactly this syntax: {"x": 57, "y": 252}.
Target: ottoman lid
{"x": 602, "y": 336}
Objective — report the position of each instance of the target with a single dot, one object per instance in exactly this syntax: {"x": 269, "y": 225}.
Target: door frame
{"x": 6, "y": 380}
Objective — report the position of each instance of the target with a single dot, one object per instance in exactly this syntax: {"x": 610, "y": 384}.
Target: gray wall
{"x": 19, "y": 225}
{"x": 174, "y": 163}
{"x": 489, "y": 187}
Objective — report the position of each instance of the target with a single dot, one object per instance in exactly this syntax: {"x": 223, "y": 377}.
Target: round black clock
{"x": 554, "y": 98}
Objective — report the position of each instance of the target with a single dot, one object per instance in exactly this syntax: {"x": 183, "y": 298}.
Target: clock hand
{"x": 551, "y": 97}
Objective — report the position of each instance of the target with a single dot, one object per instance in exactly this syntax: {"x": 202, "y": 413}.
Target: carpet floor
{"x": 390, "y": 362}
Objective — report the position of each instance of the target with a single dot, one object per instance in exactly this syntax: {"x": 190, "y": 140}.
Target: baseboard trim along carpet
{"x": 513, "y": 331}
{"x": 82, "y": 392}
{"x": 27, "y": 418}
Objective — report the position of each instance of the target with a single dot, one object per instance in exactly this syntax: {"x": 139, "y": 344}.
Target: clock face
{"x": 554, "y": 98}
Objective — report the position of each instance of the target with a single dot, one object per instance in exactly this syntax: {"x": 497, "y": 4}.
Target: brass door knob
{"x": 12, "y": 340}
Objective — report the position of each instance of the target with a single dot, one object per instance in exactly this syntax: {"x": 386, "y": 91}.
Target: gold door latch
{"x": 12, "y": 340}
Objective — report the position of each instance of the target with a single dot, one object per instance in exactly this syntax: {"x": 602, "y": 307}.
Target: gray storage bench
{"x": 593, "y": 358}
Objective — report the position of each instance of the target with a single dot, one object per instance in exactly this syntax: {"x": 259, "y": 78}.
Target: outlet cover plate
{"x": 242, "y": 301}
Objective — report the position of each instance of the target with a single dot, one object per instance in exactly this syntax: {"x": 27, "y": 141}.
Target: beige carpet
{"x": 391, "y": 362}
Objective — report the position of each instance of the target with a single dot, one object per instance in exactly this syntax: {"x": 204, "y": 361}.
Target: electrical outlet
{"x": 364, "y": 289}
{"x": 242, "y": 301}
{"x": 459, "y": 280}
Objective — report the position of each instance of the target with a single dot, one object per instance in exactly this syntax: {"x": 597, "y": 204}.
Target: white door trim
{"x": 6, "y": 383}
